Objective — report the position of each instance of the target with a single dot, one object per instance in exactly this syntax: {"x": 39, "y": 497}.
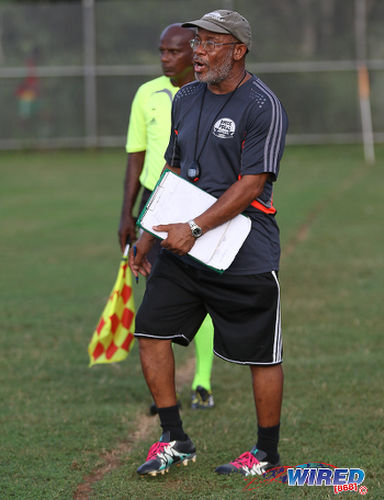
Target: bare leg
{"x": 158, "y": 365}
{"x": 268, "y": 393}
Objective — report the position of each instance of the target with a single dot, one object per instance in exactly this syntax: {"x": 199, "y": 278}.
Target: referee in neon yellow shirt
{"x": 147, "y": 139}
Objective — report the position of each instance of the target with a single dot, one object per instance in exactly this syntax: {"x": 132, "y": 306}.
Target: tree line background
{"x": 50, "y": 34}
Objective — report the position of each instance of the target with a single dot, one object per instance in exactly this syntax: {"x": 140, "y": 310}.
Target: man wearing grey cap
{"x": 228, "y": 134}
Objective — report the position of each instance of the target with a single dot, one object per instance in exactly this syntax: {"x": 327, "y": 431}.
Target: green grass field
{"x": 69, "y": 431}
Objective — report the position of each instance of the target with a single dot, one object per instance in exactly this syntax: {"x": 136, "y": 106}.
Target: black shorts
{"x": 245, "y": 310}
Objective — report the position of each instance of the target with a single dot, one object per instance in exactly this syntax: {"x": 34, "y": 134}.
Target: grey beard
{"x": 215, "y": 76}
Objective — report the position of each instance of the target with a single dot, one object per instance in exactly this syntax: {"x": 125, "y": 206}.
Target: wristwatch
{"x": 195, "y": 229}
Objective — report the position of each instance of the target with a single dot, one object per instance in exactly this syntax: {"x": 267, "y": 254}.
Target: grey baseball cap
{"x": 224, "y": 21}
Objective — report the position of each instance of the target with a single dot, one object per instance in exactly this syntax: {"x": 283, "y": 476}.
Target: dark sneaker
{"x": 202, "y": 399}
{"x": 250, "y": 463}
{"x": 153, "y": 408}
{"x": 165, "y": 453}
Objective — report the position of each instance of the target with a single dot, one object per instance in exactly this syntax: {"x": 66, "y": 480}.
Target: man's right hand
{"x": 138, "y": 261}
{"x": 127, "y": 230}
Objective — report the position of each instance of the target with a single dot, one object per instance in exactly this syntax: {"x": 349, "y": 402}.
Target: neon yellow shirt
{"x": 150, "y": 126}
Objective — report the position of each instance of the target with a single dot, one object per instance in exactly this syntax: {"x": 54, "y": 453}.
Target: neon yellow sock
{"x": 204, "y": 355}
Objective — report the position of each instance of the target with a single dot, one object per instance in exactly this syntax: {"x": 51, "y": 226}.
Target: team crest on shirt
{"x": 224, "y": 128}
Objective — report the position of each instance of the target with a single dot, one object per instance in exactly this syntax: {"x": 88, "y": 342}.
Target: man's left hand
{"x": 179, "y": 239}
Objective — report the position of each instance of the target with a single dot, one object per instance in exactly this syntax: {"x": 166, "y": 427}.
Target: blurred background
{"x": 68, "y": 73}
{"x": 69, "y": 70}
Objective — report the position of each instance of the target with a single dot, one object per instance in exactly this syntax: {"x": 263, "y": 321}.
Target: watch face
{"x": 195, "y": 229}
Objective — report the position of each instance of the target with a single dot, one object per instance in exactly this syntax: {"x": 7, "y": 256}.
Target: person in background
{"x": 227, "y": 137}
{"x": 147, "y": 139}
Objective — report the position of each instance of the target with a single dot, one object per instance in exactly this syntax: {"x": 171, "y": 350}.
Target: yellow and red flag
{"x": 113, "y": 338}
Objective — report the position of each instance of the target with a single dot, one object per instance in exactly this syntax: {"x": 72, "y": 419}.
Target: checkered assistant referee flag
{"x": 113, "y": 338}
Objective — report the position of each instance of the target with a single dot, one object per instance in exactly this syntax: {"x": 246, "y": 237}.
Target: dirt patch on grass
{"x": 144, "y": 424}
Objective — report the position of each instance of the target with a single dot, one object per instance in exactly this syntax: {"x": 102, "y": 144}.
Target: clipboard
{"x": 174, "y": 200}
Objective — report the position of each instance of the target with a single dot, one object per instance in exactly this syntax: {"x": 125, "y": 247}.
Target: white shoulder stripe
{"x": 274, "y": 136}
{"x": 272, "y": 142}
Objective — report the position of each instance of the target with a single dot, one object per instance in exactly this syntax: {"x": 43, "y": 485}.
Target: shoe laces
{"x": 246, "y": 459}
{"x": 155, "y": 449}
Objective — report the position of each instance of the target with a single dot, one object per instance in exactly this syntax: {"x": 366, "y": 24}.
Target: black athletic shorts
{"x": 245, "y": 310}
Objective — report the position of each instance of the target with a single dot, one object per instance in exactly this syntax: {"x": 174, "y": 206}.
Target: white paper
{"x": 176, "y": 200}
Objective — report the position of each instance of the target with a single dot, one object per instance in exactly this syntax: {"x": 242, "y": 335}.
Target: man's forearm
{"x": 235, "y": 199}
{"x": 131, "y": 183}
{"x": 232, "y": 202}
{"x": 127, "y": 229}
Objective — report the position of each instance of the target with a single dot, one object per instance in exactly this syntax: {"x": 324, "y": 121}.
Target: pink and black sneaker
{"x": 165, "y": 453}
{"x": 250, "y": 463}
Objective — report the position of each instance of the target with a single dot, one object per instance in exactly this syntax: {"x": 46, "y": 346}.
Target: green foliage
{"x": 127, "y": 33}
{"x": 128, "y": 30}
{"x": 60, "y": 257}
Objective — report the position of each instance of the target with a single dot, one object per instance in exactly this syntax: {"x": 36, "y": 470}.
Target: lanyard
{"x": 194, "y": 170}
